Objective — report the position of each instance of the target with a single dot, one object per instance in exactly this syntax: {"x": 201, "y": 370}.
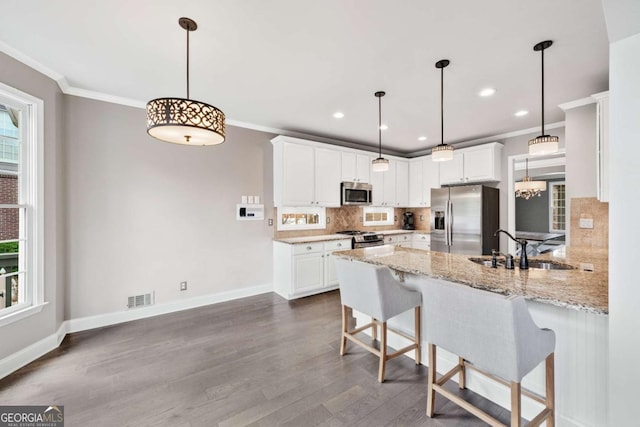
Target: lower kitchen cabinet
{"x": 305, "y": 268}
{"x": 421, "y": 241}
{"x": 403, "y": 240}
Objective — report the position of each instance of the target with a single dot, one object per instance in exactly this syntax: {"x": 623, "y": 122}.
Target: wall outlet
{"x": 183, "y": 286}
{"x": 586, "y": 222}
{"x": 421, "y": 217}
{"x": 328, "y": 220}
{"x": 270, "y": 222}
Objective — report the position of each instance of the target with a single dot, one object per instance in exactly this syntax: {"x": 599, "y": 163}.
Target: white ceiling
{"x": 290, "y": 64}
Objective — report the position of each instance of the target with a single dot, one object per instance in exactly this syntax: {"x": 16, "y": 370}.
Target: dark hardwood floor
{"x": 258, "y": 361}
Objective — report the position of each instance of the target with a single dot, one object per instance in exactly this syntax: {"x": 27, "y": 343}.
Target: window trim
{"x": 32, "y": 164}
{"x": 316, "y": 210}
{"x": 378, "y": 209}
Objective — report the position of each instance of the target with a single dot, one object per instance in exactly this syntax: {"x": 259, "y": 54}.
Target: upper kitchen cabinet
{"x": 602, "y": 180}
{"x": 305, "y": 174}
{"x": 356, "y": 167}
{"x": 474, "y": 164}
{"x": 424, "y": 174}
{"x": 391, "y": 188}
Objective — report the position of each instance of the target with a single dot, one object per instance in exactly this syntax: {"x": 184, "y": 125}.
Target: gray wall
{"x": 533, "y": 214}
{"x": 21, "y": 334}
{"x": 145, "y": 215}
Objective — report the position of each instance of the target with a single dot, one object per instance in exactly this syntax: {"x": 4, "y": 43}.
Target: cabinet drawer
{"x": 337, "y": 245}
{"x": 307, "y": 248}
{"x": 388, "y": 240}
{"x": 404, "y": 238}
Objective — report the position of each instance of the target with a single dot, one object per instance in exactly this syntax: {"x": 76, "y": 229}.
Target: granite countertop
{"x": 585, "y": 288}
{"x": 325, "y": 237}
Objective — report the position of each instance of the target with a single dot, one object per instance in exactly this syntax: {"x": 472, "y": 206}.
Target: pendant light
{"x": 442, "y": 152}
{"x": 380, "y": 164}
{"x": 185, "y": 121}
{"x": 543, "y": 144}
{"x": 527, "y": 188}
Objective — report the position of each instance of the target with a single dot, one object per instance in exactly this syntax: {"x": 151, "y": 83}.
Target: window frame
{"x": 30, "y": 202}
{"x": 310, "y": 210}
{"x": 378, "y": 209}
{"x": 550, "y": 185}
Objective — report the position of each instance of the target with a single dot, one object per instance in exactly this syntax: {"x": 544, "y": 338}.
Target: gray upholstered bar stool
{"x": 372, "y": 290}
{"x": 493, "y": 334}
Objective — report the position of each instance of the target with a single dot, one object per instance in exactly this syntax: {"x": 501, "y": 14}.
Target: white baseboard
{"x": 28, "y": 354}
{"x": 17, "y": 360}
{"x": 108, "y": 319}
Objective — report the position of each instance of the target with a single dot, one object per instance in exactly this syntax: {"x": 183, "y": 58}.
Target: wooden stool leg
{"x": 374, "y": 329}
{"x": 462, "y": 376}
{"x": 383, "y": 351}
{"x": 515, "y": 404}
{"x": 417, "y": 335}
{"x": 550, "y": 393}
{"x": 343, "y": 338}
{"x": 431, "y": 393}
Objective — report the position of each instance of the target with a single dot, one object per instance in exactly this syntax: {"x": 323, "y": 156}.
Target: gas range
{"x": 363, "y": 239}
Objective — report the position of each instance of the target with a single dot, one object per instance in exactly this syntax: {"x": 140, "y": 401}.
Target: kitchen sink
{"x": 533, "y": 264}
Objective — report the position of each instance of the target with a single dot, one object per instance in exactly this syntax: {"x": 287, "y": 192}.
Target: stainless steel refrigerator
{"x": 463, "y": 219}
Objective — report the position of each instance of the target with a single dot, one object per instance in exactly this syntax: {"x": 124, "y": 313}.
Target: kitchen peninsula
{"x": 573, "y": 303}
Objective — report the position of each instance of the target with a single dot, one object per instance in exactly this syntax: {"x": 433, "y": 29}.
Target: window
{"x": 557, "y": 207}
{"x": 377, "y": 216}
{"x": 21, "y": 219}
{"x": 304, "y": 218}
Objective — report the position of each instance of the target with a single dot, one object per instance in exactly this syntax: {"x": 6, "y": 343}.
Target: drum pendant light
{"x": 185, "y": 121}
{"x": 543, "y": 144}
{"x": 442, "y": 152}
{"x": 380, "y": 164}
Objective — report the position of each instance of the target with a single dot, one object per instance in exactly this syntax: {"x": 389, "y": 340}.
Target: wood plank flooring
{"x": 257, "y": 361}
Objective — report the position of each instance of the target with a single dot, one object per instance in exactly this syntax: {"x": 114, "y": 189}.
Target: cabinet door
{"x": 308, "y": 272}
{"x": 416, "y": 184}
{"x": 431, "y": 179}
{"x": 478, "y": 165}
{"x": 349, "y": 165}
{"x": 389, "y": 185}
{"x": 451, "y": 172}
{"x": 402, "y": 184}
{"x": 422, "y": 241}
{"x": 363, "y": 168}
{"x": 328, "y": 174}
{"x": 330, "y": 276}
{"x": 405, "y": 240}
{"x": 377, "y": 182}
{"x": 298, "y": 177}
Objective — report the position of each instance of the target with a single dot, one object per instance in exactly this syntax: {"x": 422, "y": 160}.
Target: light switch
{"x": 586, "y": 222}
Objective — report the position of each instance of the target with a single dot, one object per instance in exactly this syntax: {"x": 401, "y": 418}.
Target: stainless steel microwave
{"x": 355, "y": 193}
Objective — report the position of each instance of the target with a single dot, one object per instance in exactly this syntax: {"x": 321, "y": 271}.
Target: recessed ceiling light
{"x": 338, "y": 115}
{"x": 384, "y": 127}
{"x": 521, "y": 113}
{"x": 422, "y": 138}
{"x": 487, "y": 92}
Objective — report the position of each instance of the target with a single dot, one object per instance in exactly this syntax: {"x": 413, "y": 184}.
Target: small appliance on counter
{"x": 408, "y": 221}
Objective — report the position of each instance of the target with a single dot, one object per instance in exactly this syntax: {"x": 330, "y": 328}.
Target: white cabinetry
{"x": 421, "y": 241}
{"x": 355, "y": 167}
{"x": 482, "y": 163}
{"x": 424, "y": 174}
{"x": 305, "y": 268}
{"x": 305, "y": 175}
{"x": 602, "y": 158}
{"x": 391, "y": 188}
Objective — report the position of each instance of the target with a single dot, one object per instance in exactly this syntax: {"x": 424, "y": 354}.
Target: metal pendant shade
{"x": 183, "y": 120}
{"x": 543, "y": 144}
{"x": 442, "y": 152}
{"x": 380, "y": 164}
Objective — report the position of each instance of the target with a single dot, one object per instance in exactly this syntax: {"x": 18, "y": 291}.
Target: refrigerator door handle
{"x": 448, "y": 222}
{"x": 450, "y": 228}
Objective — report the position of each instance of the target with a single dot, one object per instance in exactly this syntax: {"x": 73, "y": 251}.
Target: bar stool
{"x": 373, "y": 290}
{"x": 492, "y": 334}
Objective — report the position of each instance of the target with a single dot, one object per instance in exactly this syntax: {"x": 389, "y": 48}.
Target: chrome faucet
{"x": 524, "y": 262}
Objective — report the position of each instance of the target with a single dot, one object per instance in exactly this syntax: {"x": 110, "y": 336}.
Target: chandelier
{"x": 183, "y": 120}
{"x": 527, "y": 188}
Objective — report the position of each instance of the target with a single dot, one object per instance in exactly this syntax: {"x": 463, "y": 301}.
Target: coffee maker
{"x": 408, "y": 221}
